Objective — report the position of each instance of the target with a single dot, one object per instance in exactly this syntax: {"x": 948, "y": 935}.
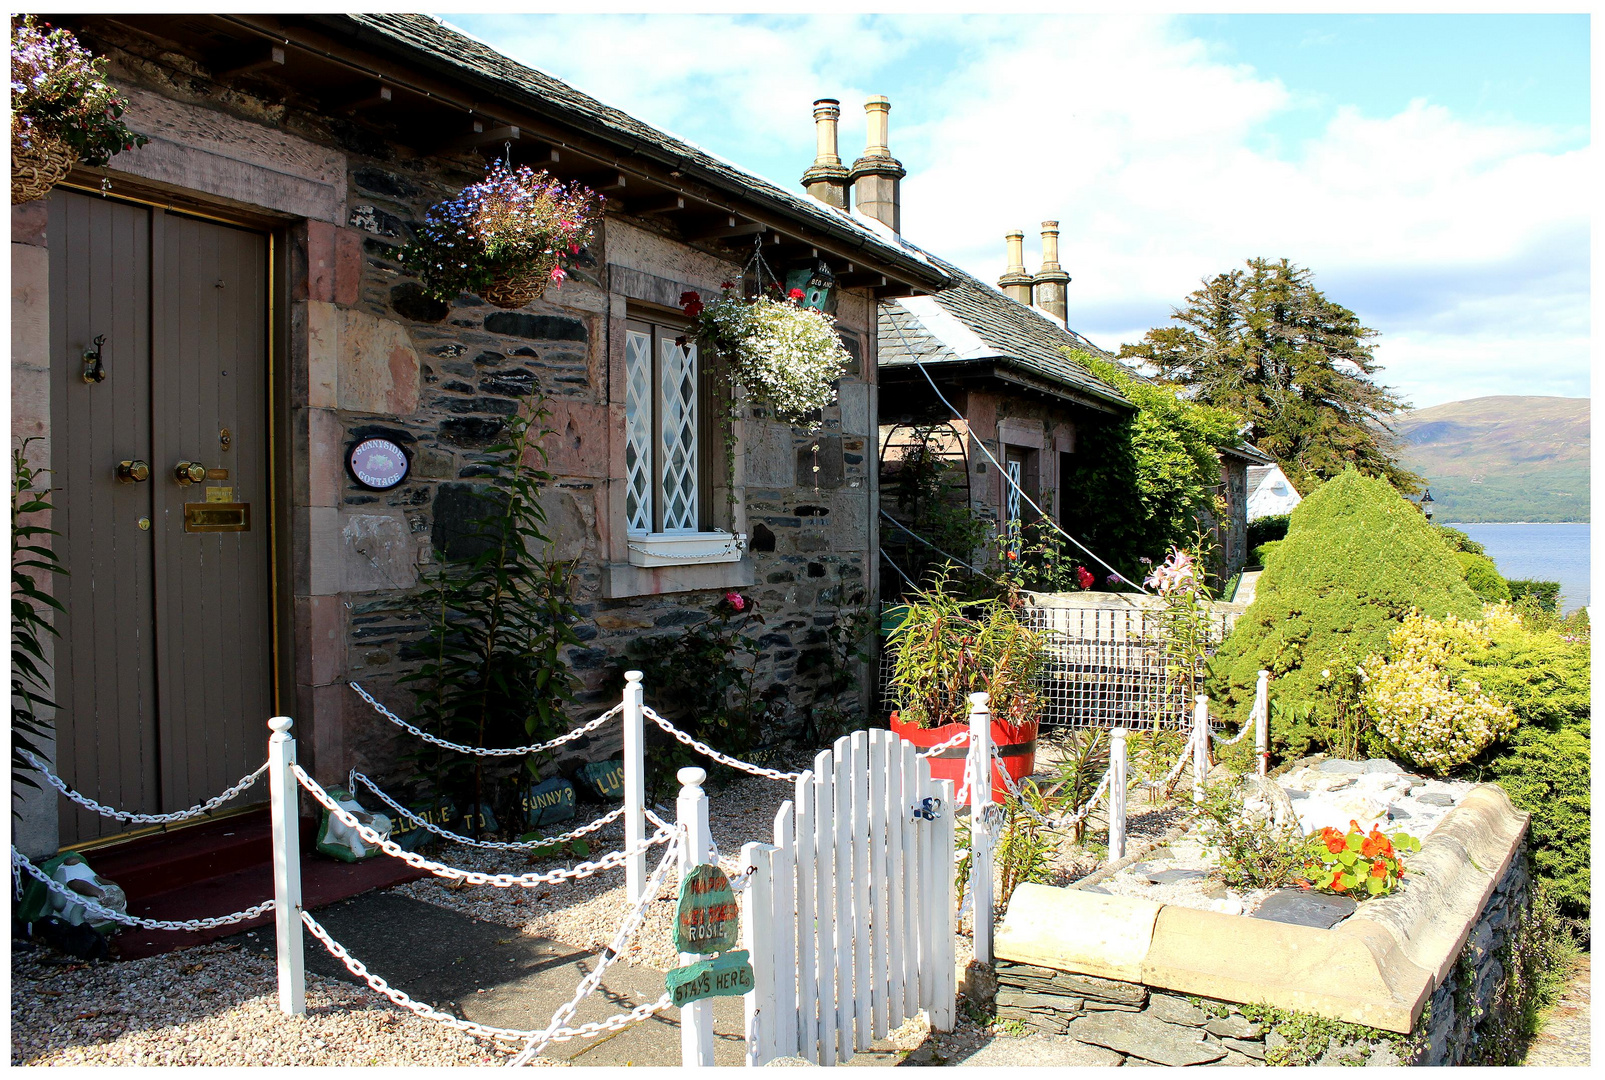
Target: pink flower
{"x": 736, "y": 601}
{"x": 558, "y": 274}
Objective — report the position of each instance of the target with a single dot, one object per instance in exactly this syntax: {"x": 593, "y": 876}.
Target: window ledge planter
{"x": 685, "y": 548}
{"x": 1017, "y": 747}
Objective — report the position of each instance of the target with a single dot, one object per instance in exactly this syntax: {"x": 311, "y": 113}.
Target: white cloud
{"x": 1465, "y": 244}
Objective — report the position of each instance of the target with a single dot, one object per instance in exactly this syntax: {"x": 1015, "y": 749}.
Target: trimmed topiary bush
{"x": 1483, "y": 577}
{"x": 1356, "y": 560}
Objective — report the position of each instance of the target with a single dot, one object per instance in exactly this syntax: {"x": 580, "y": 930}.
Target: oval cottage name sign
{"x": 378, "y": 464}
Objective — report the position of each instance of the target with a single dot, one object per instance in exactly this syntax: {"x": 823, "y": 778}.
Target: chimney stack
{"x": 876, "y": 176}
{"x": 826, "y": 179}
{"x": 1050, "y": 285}
{"x": 1015, "y": 282}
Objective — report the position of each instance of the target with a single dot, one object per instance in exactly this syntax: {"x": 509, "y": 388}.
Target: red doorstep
{"x": 222, "y": 867}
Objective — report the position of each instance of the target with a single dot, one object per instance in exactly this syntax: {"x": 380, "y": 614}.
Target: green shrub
{"x": 1459, "y": 541}
{"x": 1544, "y": 766}
{"x": 1269, "y": 528}
{"x": 1546, "y": 593}
{"x": 1356, "y": 560}
{"x": 1483, "y": 577}
{"x": 1262, "y": 552}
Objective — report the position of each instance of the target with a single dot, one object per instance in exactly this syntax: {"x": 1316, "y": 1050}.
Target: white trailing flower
{"x": 1437, "y": 719}
{"x": 787, "y": 356}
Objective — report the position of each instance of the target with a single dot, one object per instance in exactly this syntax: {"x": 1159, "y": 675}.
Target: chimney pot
{"x": 1051, "y": 284}
{"x": 876, "y": 177}
{"x": 827, "y": 178}
{"x": 1015, "y": 282}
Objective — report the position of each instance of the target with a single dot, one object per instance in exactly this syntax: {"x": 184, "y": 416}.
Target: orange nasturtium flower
{"x": 1334, "y": 842}
{"x": 1337, "y": 881}
{"x": 1379, "y": 869}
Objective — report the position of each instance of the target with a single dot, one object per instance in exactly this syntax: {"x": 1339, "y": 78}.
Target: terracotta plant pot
{"x": 1017, "y": 747}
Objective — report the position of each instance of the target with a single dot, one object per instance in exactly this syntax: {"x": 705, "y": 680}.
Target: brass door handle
{"x": 189, "y": 472}
{"x": 133, "y": 472}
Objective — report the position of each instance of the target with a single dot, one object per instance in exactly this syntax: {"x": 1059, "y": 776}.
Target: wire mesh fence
{"x": 1105, "y": 666}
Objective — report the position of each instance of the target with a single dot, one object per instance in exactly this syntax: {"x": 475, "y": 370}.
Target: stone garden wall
{"x": 1413, "y": 978}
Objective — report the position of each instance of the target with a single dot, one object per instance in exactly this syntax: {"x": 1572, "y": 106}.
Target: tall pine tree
{"x": 1267, "y": 344}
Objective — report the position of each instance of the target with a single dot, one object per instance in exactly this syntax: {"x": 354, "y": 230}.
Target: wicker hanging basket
{"x": 520, "y": 287}
{"x": 37, "y": 168}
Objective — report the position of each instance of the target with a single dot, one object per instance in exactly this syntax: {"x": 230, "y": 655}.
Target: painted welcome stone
{"x": 727, "y": 975}
{"x": 548, "y": 802}
{"x": 604, "y": 779}
{"x": 707, "y": 920}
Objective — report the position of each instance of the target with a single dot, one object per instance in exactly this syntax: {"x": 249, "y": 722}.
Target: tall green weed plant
{"x": 34, "y": 566}
{"x": 494, "y": 672}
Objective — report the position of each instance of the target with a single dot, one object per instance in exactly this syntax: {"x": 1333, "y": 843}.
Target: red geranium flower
{"x": 1084, "y": 576}
{"x": 795, "y": 294}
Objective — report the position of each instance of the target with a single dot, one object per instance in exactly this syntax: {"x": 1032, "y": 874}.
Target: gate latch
{"x": 927, "y": 809}
{"x": 94, "y": 366}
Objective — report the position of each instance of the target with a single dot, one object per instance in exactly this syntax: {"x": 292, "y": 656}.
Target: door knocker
{"x": 94, "y": 367}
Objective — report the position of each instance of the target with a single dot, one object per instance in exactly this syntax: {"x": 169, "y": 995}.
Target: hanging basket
{"x": 521, "y": 287}
{"x": 37, "y": 168}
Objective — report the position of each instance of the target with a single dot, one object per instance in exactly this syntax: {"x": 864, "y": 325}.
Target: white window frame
{"x": 665, "y": 504}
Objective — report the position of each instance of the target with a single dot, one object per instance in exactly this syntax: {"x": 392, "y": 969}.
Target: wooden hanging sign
{"x": 707, "y": 920}
{"x": 727, "y": 975}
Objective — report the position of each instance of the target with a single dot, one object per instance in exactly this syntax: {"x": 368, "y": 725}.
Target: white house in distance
{"x": 1270, "y": 492}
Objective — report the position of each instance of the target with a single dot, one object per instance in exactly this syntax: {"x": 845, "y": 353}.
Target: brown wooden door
{"x": 164, "y": 670}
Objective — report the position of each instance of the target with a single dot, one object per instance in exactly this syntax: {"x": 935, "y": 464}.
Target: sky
{"x": 1431, "y": 170}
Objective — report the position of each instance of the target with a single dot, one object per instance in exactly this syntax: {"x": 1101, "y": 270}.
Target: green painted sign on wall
{"x": 707, "y": 920}
{"x": 723, "y": 976}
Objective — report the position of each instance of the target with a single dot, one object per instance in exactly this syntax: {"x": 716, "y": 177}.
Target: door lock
{"x": 189, "y": 472}
{"x": 133, "y": 472}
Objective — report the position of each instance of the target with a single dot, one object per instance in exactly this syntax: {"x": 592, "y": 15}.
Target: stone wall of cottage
{"x": 443, "y": 379}
{"x": 369, "y": 355}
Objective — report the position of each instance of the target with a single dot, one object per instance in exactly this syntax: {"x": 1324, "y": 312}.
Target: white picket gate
{"x": 849, "y": 914}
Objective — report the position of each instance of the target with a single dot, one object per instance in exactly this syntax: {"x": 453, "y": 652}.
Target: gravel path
{"x": 1563, "y": 1040}
{"x": 215, "y": 1004}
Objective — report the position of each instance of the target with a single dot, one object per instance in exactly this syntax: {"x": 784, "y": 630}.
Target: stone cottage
{"x": 238, "y": 280}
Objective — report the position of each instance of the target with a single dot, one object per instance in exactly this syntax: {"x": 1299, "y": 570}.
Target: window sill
{"x": 685, "y": 549}
{"x": 622, "y": 580}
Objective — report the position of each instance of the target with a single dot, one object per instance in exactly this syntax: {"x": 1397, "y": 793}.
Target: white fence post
{"x": 943, "y": 1015}
{"x": 691, "y": 811}
{"x": 1117, "y": 794}
{"x": 980, "y": 773}
{"x": 758, "y": 938}
{"x": 1262, "y": 721}
{"x": 284, "y": 795}
{"x": 634, "y": 788}
{"x": 1200, "y": 745}
{"x": 781, "y": 1037}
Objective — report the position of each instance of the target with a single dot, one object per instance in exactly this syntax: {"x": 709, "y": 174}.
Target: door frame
{"x": 281, "y": 635}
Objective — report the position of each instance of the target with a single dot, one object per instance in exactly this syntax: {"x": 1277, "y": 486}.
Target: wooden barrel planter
{"x": 1017, "y": 751}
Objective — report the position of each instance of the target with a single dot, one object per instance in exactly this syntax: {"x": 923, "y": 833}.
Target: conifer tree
{"x": 1268, "y": 345}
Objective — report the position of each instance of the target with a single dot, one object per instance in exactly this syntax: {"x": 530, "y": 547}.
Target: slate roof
{"x": 971, "y": 321}
{"x": 447, "y": 50}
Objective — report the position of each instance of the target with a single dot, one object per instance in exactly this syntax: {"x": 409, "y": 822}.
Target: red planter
{"x": 1017, "y": 747}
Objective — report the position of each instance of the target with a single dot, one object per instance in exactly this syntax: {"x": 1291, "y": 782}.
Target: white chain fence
{"x": 127, "y": 815}
{"x": 473, "y": 877}
{"x": 480, "y": 751}
{"x": 492, "y": 845}
{"x": 958, "y": 740}
{"x": 1253, "y": 714}
{"x": 725, "y": 759}
{"x": 19, "y": 862}
{"x": 554, "y": 1032}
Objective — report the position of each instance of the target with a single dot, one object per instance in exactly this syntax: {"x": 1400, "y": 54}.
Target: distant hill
{"x": 1501, "y": 458}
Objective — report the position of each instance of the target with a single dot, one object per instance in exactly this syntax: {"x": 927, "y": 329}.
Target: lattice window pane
{"x": 638, "y": 430}
{"x": 678, "y": 382}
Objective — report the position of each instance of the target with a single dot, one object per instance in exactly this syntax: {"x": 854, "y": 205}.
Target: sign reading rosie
{"x": 707, "y": 920}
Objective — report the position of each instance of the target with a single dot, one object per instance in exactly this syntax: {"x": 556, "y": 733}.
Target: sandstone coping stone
{"x": 1111, "y": 934}
{"x": 1377, "y": 968}
{"x": 1143, "y": 1036}
{"x": 1461, "y": 863}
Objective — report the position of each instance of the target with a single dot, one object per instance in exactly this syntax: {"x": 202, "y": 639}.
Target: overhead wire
{"x": 1005, "y": 472}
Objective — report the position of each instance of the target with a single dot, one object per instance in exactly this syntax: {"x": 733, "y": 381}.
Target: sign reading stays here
{"x": 723, "y": 976}
{"x": 707, "y": 919}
